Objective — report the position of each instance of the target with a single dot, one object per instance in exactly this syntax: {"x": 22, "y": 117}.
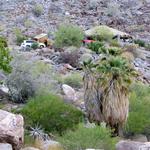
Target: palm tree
{"x": 106, "y": 87}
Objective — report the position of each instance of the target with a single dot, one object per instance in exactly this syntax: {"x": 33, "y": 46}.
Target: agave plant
{"x": 38, "y": 133}
{"x": 106, "y": 91}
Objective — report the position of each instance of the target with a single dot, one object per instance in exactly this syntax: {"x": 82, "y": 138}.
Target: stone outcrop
{"x": 132, "y": 145}
{"x": 5, "y": 146}
{"x": 11, "y": 129}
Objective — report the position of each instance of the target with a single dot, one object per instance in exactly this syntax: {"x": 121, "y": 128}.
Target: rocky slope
{"x": 132, "y": 16}
{"x": 129, "y": 15}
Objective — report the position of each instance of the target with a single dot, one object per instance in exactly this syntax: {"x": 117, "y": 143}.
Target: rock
{"x": 4, "y": 88}
{"x": 68, "y": 66}
{"x": 69, "y": 92}
{"x": 86, "y": 57}
{"x": 3, "y": 95}
{"x": 11, "y": 129}
{"x": 71, "y": 49}
{"x": 132, "y": 145}
{"x": 49, "y": 145}
{"x": 5, "y": 146}
{"x": 139, "y": 138}
{"x": 2, "y": 76}
{"x": 30, "y": 148}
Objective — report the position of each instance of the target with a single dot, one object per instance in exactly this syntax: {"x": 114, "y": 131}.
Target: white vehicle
{"x": 28, "y": 43}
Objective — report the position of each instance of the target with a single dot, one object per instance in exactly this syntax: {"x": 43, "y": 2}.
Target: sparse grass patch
{"x": 74, "y": 80}
{"x": 97, "y": 137}
{"x": 38, "y": 10}
{"x": 19, "y": 36}
{"x": 103, "y": 33}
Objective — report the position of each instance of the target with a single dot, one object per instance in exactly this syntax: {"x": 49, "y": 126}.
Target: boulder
{"x": 11, "y": 129}
{"x": 132, "y": 145}
{"x": 48, "y": 145}
{"x": 5, "y": 146}
{"x": 69, "y": 92}
{"x": 139, "y": 138}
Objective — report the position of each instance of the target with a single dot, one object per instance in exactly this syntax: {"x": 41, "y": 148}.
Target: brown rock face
{"x": 11, "y": 129}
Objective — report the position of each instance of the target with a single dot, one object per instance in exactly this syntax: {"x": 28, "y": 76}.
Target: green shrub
{"x": 28, "y": 77}
{"x": 114, "y": 51}
{"x": 140, "y": 42}
{"x": 38, "y": 10}
{"x": 96, "y": 46}
{"x": 103, "y": 33}
{"x": 19, "y": 36}
{"x": 115, "y": 43}
{"x": 3, "y": 41}
{"x": 34, "y": 46}
{"x": 148, "y": 47}
{"x": 51, "y": 113}
{"x": 68, "y": 35}
{"x": 99, "y": 48}
{"x": 139, "y": 115}
{"x": 83, "y": 138}
{"x": 74, "y": 80}
{"x": 5, "y": 57}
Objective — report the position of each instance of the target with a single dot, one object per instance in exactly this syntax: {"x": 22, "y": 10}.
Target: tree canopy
{"x": 5, "y": 57}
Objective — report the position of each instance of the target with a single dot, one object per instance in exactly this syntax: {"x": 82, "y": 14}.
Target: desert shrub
{"x": 71, "y": 58}
{"x": 140, "y": 42}
{"x": 5, "y": 57}
{"x": 28, "y": 77}
{"x": 132, "y": 49}
{"x": 96, "y": 46}
{"x": 128, "y": 55}
{"x": 68, "y": 35}
{"x": 147, "y": 47}
{"x": 34, "y": 46}
{"x": 102, "y": 33}
{"x": 51, "y": 113}
{"x": 93, "y": 4}
{"x": 28, "y": 23}
{"x": 99, "y": 48}
{"x": 3, "y": 41}
{"x": 115, "y": 43}
{"x": 113, "y": 9}
{"x": 96, "y": 137}
{"x": 38, "y": 10}
{"x": 20, "y": 85}
{"x": 139, "y": 114}
{"x": 74, "y": 80}
{"x": 19, "y": 36}
{"x": 114, "y": 51}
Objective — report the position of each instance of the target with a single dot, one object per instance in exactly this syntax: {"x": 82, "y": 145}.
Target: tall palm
{"x": 106, "y": 87}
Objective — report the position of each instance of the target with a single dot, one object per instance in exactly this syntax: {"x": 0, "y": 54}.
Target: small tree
{"x": 68, "y": 35}
{"x": 5, "y": 57}
{"x": 106, "y": 91}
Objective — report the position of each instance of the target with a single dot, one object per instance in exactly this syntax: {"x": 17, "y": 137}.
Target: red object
{"x": 87, "y": 41}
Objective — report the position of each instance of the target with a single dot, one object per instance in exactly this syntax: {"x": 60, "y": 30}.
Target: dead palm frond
{"x": 106, "y": 90}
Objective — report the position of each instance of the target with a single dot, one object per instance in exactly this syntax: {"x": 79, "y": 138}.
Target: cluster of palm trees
{"x": 106, "y": 85}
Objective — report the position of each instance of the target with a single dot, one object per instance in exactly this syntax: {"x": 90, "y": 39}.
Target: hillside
{"x": 132, "y": 16}
{"x": 74, "y": 74}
